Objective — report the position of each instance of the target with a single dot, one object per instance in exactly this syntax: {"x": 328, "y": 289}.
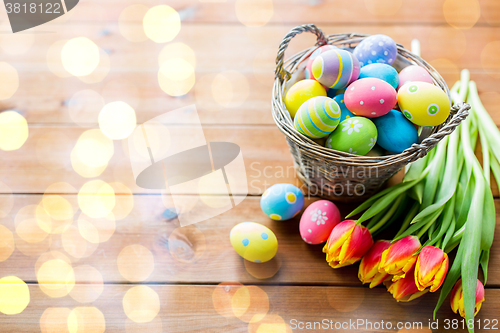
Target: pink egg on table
{"x": 370, "y": 97}
{"x": 317, "y": 52}
{"x": 318, "y": 221}
{"x": 414, "y": 73}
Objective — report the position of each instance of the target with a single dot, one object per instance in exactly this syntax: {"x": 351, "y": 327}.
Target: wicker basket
{"x": 334, "y": 174}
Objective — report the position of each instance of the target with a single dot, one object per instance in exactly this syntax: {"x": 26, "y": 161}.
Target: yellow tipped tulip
{"x": 431, "y": 268}
{"x": 405, "y": 289}
{"x": 457, "y": 299}
{"x": 368, "y": 268}
{"x": 400, "y": 257}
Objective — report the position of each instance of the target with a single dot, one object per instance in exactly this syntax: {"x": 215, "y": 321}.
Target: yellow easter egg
{"x": 254, "y": 242}
{"x": 301, "y": 92}
{"x": 423, "y": 103}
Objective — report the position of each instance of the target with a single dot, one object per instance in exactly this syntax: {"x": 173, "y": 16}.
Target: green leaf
{"x": 417, "y": 192}
{"x": 449, "y": 233}
{"x": 421, "y": 224}
{"x": 489, "y": 220}
{"x": 485, "y": 258}
{"x": 432, "y": 180}
{"x": 447, "y": 217}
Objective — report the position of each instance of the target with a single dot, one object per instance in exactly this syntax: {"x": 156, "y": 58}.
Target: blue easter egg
{"x": 376, "y": 49}
{"x": 344, "y": 112}
{"x": 381, "y": 71}
{"x": 282, "y": 201}
{"x": 395, "y": 132}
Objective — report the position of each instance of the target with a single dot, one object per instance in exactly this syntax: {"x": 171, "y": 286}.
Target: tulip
{"x": 348, "y": 242}
{"x": 457, "y": 299}
{"x": 405, "y": 289}
{"x": 368, "y": 268}
{"x": 431, "y": 268}
{"x": 400, "y": 257}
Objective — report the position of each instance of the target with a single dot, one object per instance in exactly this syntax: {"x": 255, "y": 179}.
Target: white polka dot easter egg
{"x": 414, "y": 73}
{"x": 317, "y": 117}
{"x": 335, "y": 69}
{"x": 254, "y": 242}
{"x": 344, "y": 112}
{"x": 282, "y": 201}
{"x": 395, "y": 132}
{"x": 376, "y": 49}
{"x": 301, "y": 92}
{"x": 318, "y": 221}
{"x": 424, "y": 104}
{"x": 356, "y": 135}
{"x": 317, "y": 52}
{"x": 384, "y": 72}
{"x": 370, "y": 97}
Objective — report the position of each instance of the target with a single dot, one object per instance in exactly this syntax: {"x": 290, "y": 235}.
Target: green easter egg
{"x": 317, "y": 117}
{"x": 356, "y": 135}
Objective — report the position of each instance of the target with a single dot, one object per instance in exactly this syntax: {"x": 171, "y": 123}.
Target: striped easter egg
{"x": 317, "y": 117}
{"x": 335, "y": 68}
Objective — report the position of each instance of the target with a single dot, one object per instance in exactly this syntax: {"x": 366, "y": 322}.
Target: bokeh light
{"x": 94, "y": 149}
{"x": 14, "y": 295}
{"x": 96, "y": 198}
{"x": 342, "y": 300}
{"x": 187, "y": 244}
{"x": 56, "y": 278}
{"x": 383, "y": 7}
{"x": 130, "y": 23}
{"x": 83, "y": 169}
{"x": 100, "y": 72}
{"x": 176, "y": 77}
{"x": 254, "y": 13}
{"x": 86, "y": 319}
{"x": 177, "y": 50}
{"x": 135, "y": 263}
{"x": 88, "y": 284}
{"x": 222, "y": 298}
{"x": 54, "y": 320}
{"x": 96, "y": 230}
{"x": 230, "y": 89}
{"x": 161, "y": 23}
{"x": 490, "y": 59}
{"x": 461, "y": 14}
{"x": 7, "y": 244}
{"x": 117, "y": 120}
{"x": 154, "y": 326}
{"x": 124, "y": 200}
{"x": 27, "y": 227}
{"x": 13, "y": 128}
{"x": 141, "y": 304}
{"x": 51, "y": 255}
{"x": 7, "y": 200}
{"x": 32, "y": 249}
{"x": 52, "y": 150}
{"x": 250, "y": 304}
{"x": 271, "y": 323}
{"x": 80, "y": 56}
{"x": 9, "y": 80}
{"x": 122, "y": 89}
{"x": 84, "y": 106}
{"x": 75, "y": 244}
{"x": 54, "y": 213}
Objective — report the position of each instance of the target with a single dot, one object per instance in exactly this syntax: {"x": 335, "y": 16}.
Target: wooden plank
{"x": 180, "y": 254}
{"x": 209, "y": 309}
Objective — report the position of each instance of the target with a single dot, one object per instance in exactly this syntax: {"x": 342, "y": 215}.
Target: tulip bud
{"x": 457, "y": 299}
{"x": 368, "y": 268}
{"x": 400, "y": 257}
{"x": 431, "y": 268}
{"x": 347, "y": 243}
{"x": 405, "y": 289}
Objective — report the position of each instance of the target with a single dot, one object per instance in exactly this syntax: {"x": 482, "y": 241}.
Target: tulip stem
{"x": 411, "y": 214}
{"x": 387, "y": 216}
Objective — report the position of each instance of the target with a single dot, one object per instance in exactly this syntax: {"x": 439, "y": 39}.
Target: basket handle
{"x": 280, "y": 71}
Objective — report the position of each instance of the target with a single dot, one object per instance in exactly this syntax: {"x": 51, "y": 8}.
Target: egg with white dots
{"x": 356, "y": 135}
{"x": 370, "y": 97}
{"x": 376, "y": 49}
{"x": 254, "y": 242}
{"x": 282, "y": 202}
{"x": 424, "y": 104}
{"x": 318, "y": 221}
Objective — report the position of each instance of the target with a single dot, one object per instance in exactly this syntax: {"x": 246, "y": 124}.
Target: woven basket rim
{"x": 281, "y": 116}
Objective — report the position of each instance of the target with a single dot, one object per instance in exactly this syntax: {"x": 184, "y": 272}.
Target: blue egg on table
{"x": 395, "y": 132}
{"x": 384, "y": 72}
{"x": 344, "y": 112}
{"x": 282, "y": 201}
{"x": 376, "y": 49}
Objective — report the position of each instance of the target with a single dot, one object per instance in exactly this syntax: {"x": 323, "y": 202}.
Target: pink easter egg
{"x": 318, "y": 221}
{"x": 370, "y": 97}
{"x": 414, "y": 73}
{"x": 308, "y": 70}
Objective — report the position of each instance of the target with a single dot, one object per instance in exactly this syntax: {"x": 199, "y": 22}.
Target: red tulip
{"x": 400, "y": 257}
{"x": 457, "y": 299}
{"x": 347, "y": 243}
{"x": 405, "y": 289}
{"x": 368, "y": 268}
{"x": 431, "y": 268}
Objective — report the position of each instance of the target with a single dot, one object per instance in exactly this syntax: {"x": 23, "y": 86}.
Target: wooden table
{"x": 145, "y": 274}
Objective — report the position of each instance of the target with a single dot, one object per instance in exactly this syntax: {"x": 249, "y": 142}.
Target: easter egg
{"x": 317, "y": 52}
{"x": 424, "y": 104}
{"x": 301, "y": 92}
{"x": 356, "y": 135}
{"x": 395, "y": 132}
{"x": 414, "y": 73}
{"x": 335, "y": 69}
{"x": 282, "y": 201}
{"x": 317, "y": 117}
{"x": 344, "y": 112}
{"x": 376, "y": 49}
{"x": 384, "y": 72}
{"x": 318, "y": 221}
{"x": 335, "y": 92}
{"x": 254, "y": 242}
{"x": 370, "y": 97}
